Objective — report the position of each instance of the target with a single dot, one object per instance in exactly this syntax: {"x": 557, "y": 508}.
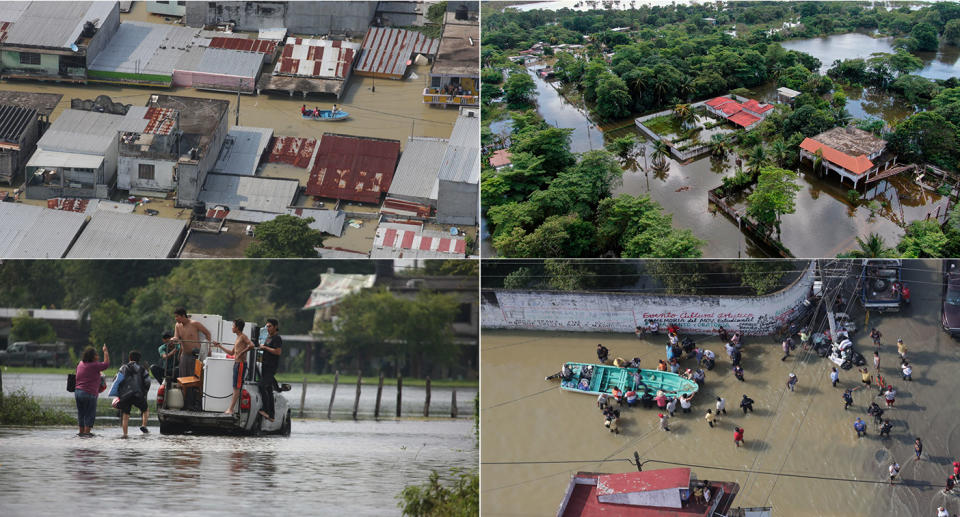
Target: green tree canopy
{"x": 25, "y": 328}
{"x": 519, "y": 88}
{"x": 773, "y": 196}
{"x": 286, "y": 236}
{"x": 923, "y": 239}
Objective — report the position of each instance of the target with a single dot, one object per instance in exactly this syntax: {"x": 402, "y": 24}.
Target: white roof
{"x": 242, "y": 150}
{"x": 461, "y": 162}
{"x": 56, "y": 24}
{"x": 272, "y": 195}
{"x": 87, "y": 132}
{"x": 148, "y": 48}
{"x": 31, "y": 232}
{"x": 276, "y": 34}
{"x": 787, "y": 92}
{"x": 117, "y": 235}
{"x": 416, "y": 176}
{"x": 42, "y": 158}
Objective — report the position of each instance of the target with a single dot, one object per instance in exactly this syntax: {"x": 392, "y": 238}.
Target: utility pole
{"x": 239, "y": 83}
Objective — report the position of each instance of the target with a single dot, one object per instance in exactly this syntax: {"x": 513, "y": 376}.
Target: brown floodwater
{"x": 535, "y": 436}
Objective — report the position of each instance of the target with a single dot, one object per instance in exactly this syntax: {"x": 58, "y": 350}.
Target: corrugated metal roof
{"x": 394, "y": 240}
{"x": 242, "y": 150}
{"x": 43, "y": 158}
{"x": 328, "y": 221}
{"x": 12, "y": 10}
{"x": 334, "y": 287}
{"x": 353, "y": 168}
{"x": 387, "y": 50}
{"x": 44, "y": 103}
{"x": 461, "y": 162}
{"x": 225, "y": 62}
{"x": 13, "y": 121}
{"x": 147, "y": 48}
{"x": 56, "y": 24}
{"x": 249, "y": 193}
{"x": 80, "y": 131}
{"x": 275, "y": 34}
{"x": 317, "y": 58}
{"x": 115, "y": 235}
{"x": 245, "y": 44}
{"x": 28, "y": 231}
{"x": 416, "y": 176}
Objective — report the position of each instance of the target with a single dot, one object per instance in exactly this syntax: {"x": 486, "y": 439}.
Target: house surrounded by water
{"x": 54, "y": 40}
{"x": 854, "y": 154}
{"x": 455, "y": 75}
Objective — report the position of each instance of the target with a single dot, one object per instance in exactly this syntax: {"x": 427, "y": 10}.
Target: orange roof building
{"x": 852, "y": 153}
{"x": 500, "y": 159}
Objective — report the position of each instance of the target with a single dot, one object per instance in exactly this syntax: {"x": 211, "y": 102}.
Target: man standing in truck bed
{"x": 187, "y": 334}
{"x": 271, "y": 360}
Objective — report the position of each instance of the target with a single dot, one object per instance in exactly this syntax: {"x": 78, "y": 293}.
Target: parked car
{"x": 881, "y": 284}
{"x": 28, "y": 353}
{"x": 950, "y": 310}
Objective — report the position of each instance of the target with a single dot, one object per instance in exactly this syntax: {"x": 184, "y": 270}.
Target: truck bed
{"x": 200, "y": 419}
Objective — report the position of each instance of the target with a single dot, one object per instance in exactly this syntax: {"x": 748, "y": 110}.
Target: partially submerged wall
{"x": 615, "y": 312}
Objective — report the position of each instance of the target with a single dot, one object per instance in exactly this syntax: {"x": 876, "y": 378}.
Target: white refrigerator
{"x": 217, "y": 383}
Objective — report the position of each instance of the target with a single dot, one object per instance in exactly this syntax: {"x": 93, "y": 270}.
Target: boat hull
{"x": 327, "y": 116}
{"x": 603, "y": 378}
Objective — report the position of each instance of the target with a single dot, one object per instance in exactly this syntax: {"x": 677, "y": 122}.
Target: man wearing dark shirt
{"x": 272, "y": 348}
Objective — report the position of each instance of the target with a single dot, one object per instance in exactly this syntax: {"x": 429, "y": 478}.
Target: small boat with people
{"x": 330, "y": 115}
{"x": 595, "y": 379}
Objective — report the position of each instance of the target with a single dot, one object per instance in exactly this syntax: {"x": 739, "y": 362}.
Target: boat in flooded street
{"x": 595, "y": 379}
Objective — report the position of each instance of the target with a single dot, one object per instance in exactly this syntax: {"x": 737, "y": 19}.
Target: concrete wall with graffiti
{"x": 616, "y": 312}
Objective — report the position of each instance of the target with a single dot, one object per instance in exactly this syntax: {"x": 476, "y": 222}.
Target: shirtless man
{"x": 239, "y": 351}
{"x": 187, "y": 334}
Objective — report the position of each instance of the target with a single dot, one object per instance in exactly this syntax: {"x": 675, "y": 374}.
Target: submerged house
{"x": 455, "y": 75}
{"x": 55, "y": 40}
{"x": 854, "y": 154}
{"x": 746, "y": 115}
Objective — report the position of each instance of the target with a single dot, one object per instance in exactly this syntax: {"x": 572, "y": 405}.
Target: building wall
{"x": 49, "y": 63}
{"x": 605, "y": 312}
{"x": 457, "y": 203}
{"x": 191, "y": 175}
{"x": 12, "y": 162}
{"x": 352, "y": 17}
{"x": 219, "y": 82}
{"x": 104, "y": 34}
{"x": 171, "y": 8}
{"x": 128, "y": 171}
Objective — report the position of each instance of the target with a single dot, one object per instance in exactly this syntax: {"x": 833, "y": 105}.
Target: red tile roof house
{"x": 501, "y": 159}
{"x": 852, "y": 153}
{"x": 735, "y": 112}
{"x": 757, "y": 109}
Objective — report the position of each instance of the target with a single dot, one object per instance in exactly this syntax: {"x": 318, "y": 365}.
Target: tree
{"x": 285, "y": 236}
{"x": 923, "y": 239}
{"x": 872, "y": 247}
{"x": 613, "y": 97}
{"x": 926, "y": 36}
{"x": 779, "y": 152}
{"x": 552, "y": 144}
{"x": 773, "y": 196}
{"x": 758, "y": 158}
{"x": 719, "y": 145}
{"x": 951, "y": 31}
{"x": 25, "y": 328}
{"x": 520, "y": 278}
{"x": 660, "y": 152}
{"x": 764, "y": 276}
{"x": 683, "y": 113}
{"x": 433, "y": 499}
{"x": 518, "y": 88}
{"x": 568, "y": 275}
{"x": 425, "y": 328}
{"x": 558, "y": 236}
{"x": 683, "y": 277}
{"x": 622, "y": 146}
{"x": 904, "y": 62}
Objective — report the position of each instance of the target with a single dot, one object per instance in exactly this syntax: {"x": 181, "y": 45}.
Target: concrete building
{"x": 176, "y": 8}
{"x": 19, "y": 132}
{"x": 854, "y": 154}
{"x": 55, "y": 40}
{"x": 77, "y": 156}
{"x": 728, "y": 108}
{"x": 458, "y": 193}
{"x": 413, "y": 192}
{"x": 350, "y": 18}
{"x": 146, "y": 53}
{"x": 410, "y": 240}
{"x": 312, "y": 66}
{"x": 455, "y": 75}
{"x": 148, "y": 155}
{"x": 14, "y": 151}
{"x": 203, "y": 123}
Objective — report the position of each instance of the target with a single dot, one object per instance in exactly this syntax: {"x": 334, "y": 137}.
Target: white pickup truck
{"x": 215, "y": 392}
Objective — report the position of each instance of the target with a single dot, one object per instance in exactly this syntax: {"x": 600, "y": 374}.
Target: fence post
{"x": 356, "y": 401}
{"x": 376, "y": 410}
{"x": 303, "y": 396}
{"x": 336, "y": 379}
{"x": 426, "y": 405}
{"x": 453, "y": 405}
{"x": 399, "y": 391}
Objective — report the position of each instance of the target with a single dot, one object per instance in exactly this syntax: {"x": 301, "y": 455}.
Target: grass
{"x": 19, "y": 408}
{"x": 321, "y": 378}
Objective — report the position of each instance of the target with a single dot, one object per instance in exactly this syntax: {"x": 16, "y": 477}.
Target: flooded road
{"x": 49, "y": 388}
{"x": 536, "y": 436}
{"x": 323, "y": 468}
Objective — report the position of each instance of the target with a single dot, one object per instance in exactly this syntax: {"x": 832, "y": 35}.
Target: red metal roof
{"x": 161, "y": 120}
{"x": 583, "y": 502}
{"x": 855, "y": 164}
{"x": 730, "y": 108}
{"x": 332, "y": 53}
{"x": 500, "y": 158}
{"x": 387, "y": 51}
{"x": 756, "y": 107}
{"x": 743, "y": 119}
{"x": 717, "y": 101}
{"x": 353, "y": 168}
{"x": 68, "y": 204}
{"x": 643, "y": 481}
{"x": 4, "y": 29}
{"x": 245, "y": 44}
{"x": 292, "y": 150}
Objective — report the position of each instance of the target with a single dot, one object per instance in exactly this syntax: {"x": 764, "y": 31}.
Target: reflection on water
{"x": 322, "y": 468}
{"x": 557, "y": 112}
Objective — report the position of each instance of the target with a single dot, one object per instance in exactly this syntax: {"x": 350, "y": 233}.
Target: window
{"x": 29, "y": 58}
{"x": 163, "y": 1}
{"x": 464, "y": 313}
{"x": 181, "y": 2}
{"x": 146, "y": 171}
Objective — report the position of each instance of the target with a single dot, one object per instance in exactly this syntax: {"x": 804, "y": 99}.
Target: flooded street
{"x": 682, "y": 191}
{"x": 535, "y": 436}
{"x": 323, "y": 468}
{"x": 49, "y": 387}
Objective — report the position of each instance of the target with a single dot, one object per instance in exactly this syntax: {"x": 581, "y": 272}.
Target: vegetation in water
{"x": 19, "y": 408}
{"x": 434, "y": 498}
{"x": 285, "y": 236}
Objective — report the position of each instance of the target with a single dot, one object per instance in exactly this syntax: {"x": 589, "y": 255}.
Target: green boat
{"x": 601, "y": 378}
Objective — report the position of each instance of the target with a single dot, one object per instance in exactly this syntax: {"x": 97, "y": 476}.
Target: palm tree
{"x": 660, "y": 87}
{"x": 757, "y": 159}
{"x": 779, "y": 151}
{"x": 660, "y": 152}
{"x": 873, "y": 247}
{"x": 719, "y": 146}
{"x": 684, "y": 114}
{"x": 817, "y": 160}
{"x": 685, "y": 88}
{"x": 641, "y": 150}
{"x": 639, "y": 84}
